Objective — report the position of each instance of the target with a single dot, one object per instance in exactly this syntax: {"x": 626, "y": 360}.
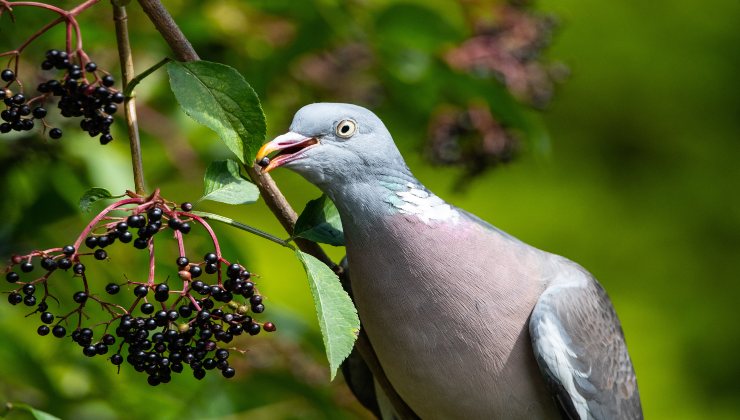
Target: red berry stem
{"x": 90, "y": 226}
{"x": 213, "y": 236}
{"x": 65, "y": 15}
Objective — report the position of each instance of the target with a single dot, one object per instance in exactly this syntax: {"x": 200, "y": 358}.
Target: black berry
{"x": 64, "y": 263}
{"x": 39, "y": 112}
{"x": 112, "y": 288}
{"x": 55, "y": 133}
{"x": 185, "y": 228}
{"x": 12, "y": 277}
{"x": 253, "y": 329}
{"x": 47, "y": 317}
{"x": 80, "y": 297}
{"x": 154, "y": 214}
{"x": 48, "y": 264}
{"x": 141, "y": 291}
{"x": 264, "y": 162}
{"x": 78, "y": 268}
{"x": 29, "y": 289}
{"x": 126, "y": 237}
{"x": 59, "y": 331}
{"x": 233, "y": 270}
{"x": 15, "y": 298}
{"x": 26, "y": 267}
{"x": 7, "y": 75}
{"x": 91, "y": 242}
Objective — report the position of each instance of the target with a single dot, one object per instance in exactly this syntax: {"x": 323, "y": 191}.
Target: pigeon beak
{"x": 290, "y": 146}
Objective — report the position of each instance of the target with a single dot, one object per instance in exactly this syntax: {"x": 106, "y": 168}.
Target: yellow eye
{"x": 346, "y": 128}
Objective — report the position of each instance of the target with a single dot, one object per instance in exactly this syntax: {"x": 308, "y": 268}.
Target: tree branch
{"x": 272, "y": 195}
{"x": 171, "y": 33}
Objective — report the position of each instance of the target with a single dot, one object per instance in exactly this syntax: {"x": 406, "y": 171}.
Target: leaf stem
{"x": 129, "y": 90}
{"x": 242, "y": 226}
{"x": 127, "y": 72}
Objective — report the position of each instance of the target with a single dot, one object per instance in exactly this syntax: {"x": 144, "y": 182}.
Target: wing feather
{"x": 580, "y": 348}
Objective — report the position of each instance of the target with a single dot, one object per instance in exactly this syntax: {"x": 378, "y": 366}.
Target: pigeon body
{"x": 466, "y": 320}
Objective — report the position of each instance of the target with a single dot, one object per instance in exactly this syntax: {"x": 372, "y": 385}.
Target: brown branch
{"x": 273, "y": 197}
{"x": 282, "y": 210}
{"x": 171, "y": 33}
{"x": 129, "y": 104}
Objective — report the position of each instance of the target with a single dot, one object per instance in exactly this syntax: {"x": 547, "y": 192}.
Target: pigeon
{"x": 466, "y": 320}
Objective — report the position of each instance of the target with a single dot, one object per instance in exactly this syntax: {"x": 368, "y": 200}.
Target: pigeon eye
{"x": 346, "y": 128}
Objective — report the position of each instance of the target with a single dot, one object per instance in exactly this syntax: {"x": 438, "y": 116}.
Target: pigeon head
{"x": 334, "y": 143}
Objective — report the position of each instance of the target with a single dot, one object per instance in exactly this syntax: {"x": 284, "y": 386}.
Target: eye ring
{"x": 346, "y": 129}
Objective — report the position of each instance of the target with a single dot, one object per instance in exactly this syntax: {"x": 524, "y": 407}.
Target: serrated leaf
{"x": 224, "y": 184}
{"x": 37, "y": 414}
{"x": 320, "y": 222}
{"x": 337, "y": 315}
{"x": 218, "y": 97}
{"x": 92, "y": 195}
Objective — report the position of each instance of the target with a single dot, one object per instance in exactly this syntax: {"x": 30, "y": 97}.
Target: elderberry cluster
{"x": 169, "y": 325}
{"x": 18, "y": 114}
{"x": 83, "y": 90}
{"x": 94, "y": 100}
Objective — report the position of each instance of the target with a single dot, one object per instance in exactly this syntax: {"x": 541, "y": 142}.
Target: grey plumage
{"x": 466, "y": 320}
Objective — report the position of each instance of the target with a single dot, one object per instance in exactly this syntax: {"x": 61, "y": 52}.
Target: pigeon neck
{"x": 371, "y": 204}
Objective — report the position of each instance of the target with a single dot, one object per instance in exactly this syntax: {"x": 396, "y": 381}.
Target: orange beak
{"x": 290, "y": 146}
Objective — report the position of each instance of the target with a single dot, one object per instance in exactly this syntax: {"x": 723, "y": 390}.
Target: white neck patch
{"x": 414, "y": 200}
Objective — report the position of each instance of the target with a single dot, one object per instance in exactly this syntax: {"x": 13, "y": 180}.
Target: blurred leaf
{"x": 415, "y": 26}
{"x": 409, "y": 37}
{"x": 92, "y": 195}
{"x": 37, "y": 414}
{"x": 337, "y": 314}
{"x": 320, "y": 222}
{"x": 218, "y": 97}
{"x": 224, "y": 184}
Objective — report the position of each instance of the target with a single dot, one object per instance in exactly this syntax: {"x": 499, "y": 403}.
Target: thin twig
{"x": 129, "y": 104}
{"x": 129, "y": 90}
{"x": 246, "y": 228}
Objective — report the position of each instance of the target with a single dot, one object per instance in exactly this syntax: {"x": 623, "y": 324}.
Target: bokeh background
{"x": 620, "y": 123}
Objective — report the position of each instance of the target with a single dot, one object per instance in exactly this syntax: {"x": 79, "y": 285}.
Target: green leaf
{"x": 37, "y": 414}
{"x": 320, "y": 222}
{"x": 218, "y": 97}
{"x": 224, "y": 184}
{"x": 92, "y": 195}
{"x": 337, "y": 314}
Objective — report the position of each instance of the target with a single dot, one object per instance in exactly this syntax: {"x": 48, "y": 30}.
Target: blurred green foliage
{"x": 640, "y": 186}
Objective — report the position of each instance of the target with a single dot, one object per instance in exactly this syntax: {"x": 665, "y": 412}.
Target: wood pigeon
{"x": 466, "y": 320}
